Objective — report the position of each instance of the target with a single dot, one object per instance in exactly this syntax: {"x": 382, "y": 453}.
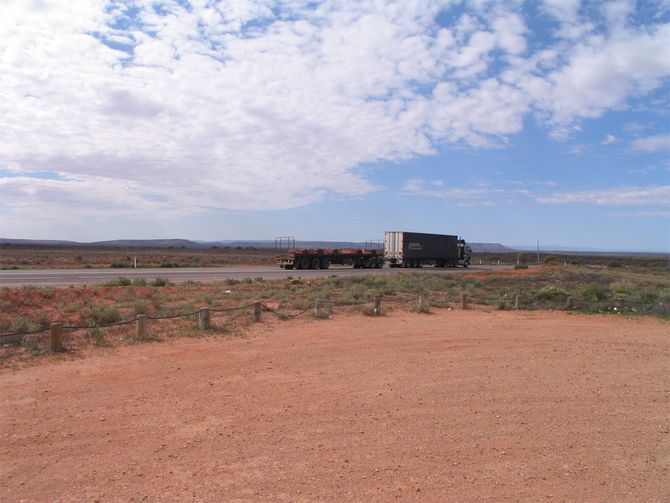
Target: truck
{"x": 416, "y": 249}
{"x": 321, "y": 258}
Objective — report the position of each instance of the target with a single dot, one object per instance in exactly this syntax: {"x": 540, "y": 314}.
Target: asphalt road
{"x": 64, "y": 277}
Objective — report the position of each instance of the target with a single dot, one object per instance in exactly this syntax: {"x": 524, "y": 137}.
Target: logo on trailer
{"x": 415, "y": 246}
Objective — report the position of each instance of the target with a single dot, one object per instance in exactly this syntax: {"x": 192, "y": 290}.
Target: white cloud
{"x": 565, "y": 11}
{"x": 659, "y": 213}
{"x": 609, "y": 139}
{"x": 261, "y": 105}
{"x": 460, "y": 195}
{"x": 654, "y": 143}
{"x": 621, "y": 196}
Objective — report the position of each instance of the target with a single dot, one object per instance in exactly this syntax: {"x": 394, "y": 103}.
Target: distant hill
{"x": 490, "y": 248}
{"x": 117, "y": 243}
{"x": 148, "y": 243}
{"x": 41, "y": 242}
{"x": 185, "y": 243}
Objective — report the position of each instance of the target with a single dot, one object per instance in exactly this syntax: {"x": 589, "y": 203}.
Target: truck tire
{"x": 380, "y": 262}
{"x": 325, "y": 263}
{"x": 303, "y": 263}
{"x": 315, "y": 263}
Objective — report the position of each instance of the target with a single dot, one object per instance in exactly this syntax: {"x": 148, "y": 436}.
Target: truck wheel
{"x": 325, "y": 263}
{"x": 380, "y": 262}
{"x": 303, "y": 263}
{"x": 315, "y": 263}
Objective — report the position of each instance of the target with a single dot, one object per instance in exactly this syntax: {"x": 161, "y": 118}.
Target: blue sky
{"x": 501, "y": 121}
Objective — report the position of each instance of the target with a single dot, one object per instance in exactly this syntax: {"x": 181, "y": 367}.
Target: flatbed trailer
{"x": 322, "y": 258}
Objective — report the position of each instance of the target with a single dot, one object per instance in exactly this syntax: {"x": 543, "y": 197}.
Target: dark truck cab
{"x": 416, "y": 249}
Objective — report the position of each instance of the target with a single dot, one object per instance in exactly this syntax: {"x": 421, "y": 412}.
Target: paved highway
{"x": 64, "y": 277}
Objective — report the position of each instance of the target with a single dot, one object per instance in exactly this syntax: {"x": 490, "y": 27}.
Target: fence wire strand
{"x": 281, "y": 314}
{"x": 31, "y": 332}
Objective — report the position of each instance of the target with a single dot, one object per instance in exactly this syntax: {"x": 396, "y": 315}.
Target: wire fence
{"x": 321, "y": 307}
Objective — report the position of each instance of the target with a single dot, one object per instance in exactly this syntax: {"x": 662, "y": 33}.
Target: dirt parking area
{"x": 451, "y": 406}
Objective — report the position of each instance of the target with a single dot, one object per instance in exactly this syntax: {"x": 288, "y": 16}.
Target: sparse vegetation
{"x": 21, "y": 325}
{"x": 102, "y": 315}
{"x": 160, "y": 282}
{"x": 120, "y": 281}
{"x": 633, "y": 288}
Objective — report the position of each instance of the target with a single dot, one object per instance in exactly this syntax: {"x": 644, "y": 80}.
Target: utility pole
{"x": 538, "y": 251}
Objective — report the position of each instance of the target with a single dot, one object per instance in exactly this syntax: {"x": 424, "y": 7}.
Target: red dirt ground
{"x": 453, "y": 406}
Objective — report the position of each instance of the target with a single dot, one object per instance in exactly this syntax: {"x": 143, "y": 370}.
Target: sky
{"x": 500, "y": 121}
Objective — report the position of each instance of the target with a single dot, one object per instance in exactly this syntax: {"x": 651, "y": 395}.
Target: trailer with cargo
{"x": 416, "y": 249}
{"x": 322, "y": 258}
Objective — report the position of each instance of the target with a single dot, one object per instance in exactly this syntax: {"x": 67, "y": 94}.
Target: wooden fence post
{"x": 378, "y": 305}
{"x": 464, "y": 300}
{"x": 257, "y": 311}
{"x": 141, "y": 326}
{"x": 56, "y": 337}
{"x": 517, "y": 301}
{"x": 203, "y": 318}
{"x": 317, "y": 305}
{"x": 569, "y": 303}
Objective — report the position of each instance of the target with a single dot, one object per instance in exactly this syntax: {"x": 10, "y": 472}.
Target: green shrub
{"x": 622, "y": 288}
{"x": 521, "y": 266}
{"x": 550, "y": 260}
{"x": 20, "y": 325}
{"x": 421, "y": 307}
{"x": 139, "y": 282}
{"x": 324, "y": 312}
{"x": 141, "y": 306}
{"x": 593, "y": 292}
{"x": 160, "y": 282}
{"x": 551, "y": 293}
{"x": 369, "y": 310}
{"x": 96, "y": 335}
{"x": 32, "y": 343}
{"x": 120, "y": 281}
{"x": 102, "y": 315}
{"x": 649, "y": 296}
